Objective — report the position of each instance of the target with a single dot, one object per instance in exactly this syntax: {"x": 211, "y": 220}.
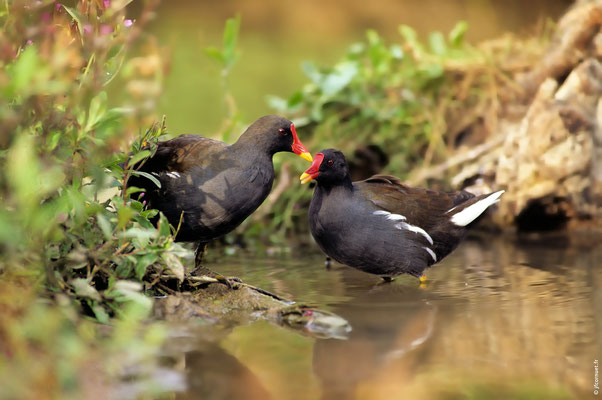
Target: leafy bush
{"x": 70, "y": 236}
{"x": 413, "y": 99}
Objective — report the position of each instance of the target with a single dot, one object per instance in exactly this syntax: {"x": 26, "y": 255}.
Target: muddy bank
{"x": 217, "y": 304}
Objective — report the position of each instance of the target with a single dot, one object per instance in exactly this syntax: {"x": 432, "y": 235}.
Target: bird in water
{"x": 208, "y": 187}
{"x": 382, "y": 226}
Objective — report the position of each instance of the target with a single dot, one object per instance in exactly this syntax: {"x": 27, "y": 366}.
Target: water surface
{"x": 495, "y": 320}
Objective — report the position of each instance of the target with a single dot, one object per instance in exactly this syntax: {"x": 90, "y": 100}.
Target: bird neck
{"x": 252, "y": 148}
{"x": 344, "y": 185}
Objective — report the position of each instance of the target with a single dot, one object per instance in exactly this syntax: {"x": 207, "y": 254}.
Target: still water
{"x": 496, "y": 320}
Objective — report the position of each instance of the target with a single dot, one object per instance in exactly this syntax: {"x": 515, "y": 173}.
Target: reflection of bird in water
{"x": 213, "y": 374}
{"x": 390, "y": 323}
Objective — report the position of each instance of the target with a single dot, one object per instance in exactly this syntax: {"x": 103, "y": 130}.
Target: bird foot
{"x": 422, "y": 278}
{"x": 328, "y": 262}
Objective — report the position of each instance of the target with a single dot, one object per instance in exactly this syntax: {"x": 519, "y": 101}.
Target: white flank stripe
{"x": 396, "y": 217}
{"x": 155, "y": 174}
{"x": 414, "y": 228}
{"x": 173, "y": 175}
{"x": 470, "y": 213}
{"x": 381, "y": 212}
{"x": 432, "y": 253}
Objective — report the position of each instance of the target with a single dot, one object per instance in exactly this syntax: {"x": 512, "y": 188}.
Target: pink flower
{"x": 58, "y": 6}
{"x": 127, "y": 23}
{"x": 87, "y": 29}
{"x": 105, "y": 29}
{"x": 107, "y": 3}
{"x": 29, "y": 42}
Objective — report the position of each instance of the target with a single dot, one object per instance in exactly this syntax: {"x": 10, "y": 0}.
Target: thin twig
{"x": 438, "y": 170}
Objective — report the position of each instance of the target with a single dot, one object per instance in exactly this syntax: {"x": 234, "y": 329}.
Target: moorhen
{"x": 381, "y": 226}
{"x": 208, "y": 187}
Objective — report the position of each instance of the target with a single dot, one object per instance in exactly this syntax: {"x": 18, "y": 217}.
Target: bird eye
{"x": 330, "y": 163}
{"x": 282, "y": 131}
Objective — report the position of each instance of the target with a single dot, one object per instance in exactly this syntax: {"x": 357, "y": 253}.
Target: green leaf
{"x": 112, "y": 116}
{"x": 83, "y": 289}
{"x": 163, "y": 226}
{"x": 99, "y": 312}
{"x": 396, "y": 52}
{"x": 139, "y": 233}
{"x": 53, "y": 140}
{"x": 437, "y": 43}
{"x": 148, "y": 176}
{"x": 124, "y": 215}
{"x": 130, "y": 291}
{"x": 105, "y": 226}
{"x": 174, "y": 264}
{"x": 408, "y": 34}
{"x": 98, "y": 107}
{"x": 143, "y": 263}
{"x": 310, "y": 70}
{"x": 337, "y": 80}
{"x": 24, "y": 69}
{"x": 215, "y": 53}
{"x": 277, "y": 103}
{"x": 231, "y": 30}
{"x": 139, "y": 157}
{"x": 149, "y": 213}
{"x": 457, "y": 34}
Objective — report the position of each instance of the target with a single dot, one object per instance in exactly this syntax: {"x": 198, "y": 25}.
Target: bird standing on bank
{"x": 208, "y": 187}
{"x": 381, "y": 226}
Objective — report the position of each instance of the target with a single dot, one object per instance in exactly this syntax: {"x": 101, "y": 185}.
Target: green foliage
{"x": 227, "y": 57}
{"x": 228, "y": 54}
{"x": 72, "y": 239}
{"x": 409, "y": 98}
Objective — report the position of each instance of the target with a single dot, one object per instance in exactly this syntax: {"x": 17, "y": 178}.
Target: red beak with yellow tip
{"x": 314, "y": 170}
{"x": 298, "y": 147}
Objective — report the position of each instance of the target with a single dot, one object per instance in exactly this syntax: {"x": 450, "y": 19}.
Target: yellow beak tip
{"x": 304, "y": 178}
{"x": 306, "y": 156}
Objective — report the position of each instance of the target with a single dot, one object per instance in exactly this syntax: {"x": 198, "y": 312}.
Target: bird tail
{"x": 464, "y": 214}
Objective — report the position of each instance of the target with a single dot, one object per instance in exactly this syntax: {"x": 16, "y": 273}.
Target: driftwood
{"x": 550, "y": 158}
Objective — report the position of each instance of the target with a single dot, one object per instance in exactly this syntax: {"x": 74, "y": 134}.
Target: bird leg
{"x": 199, "y": 254}
{"x": 328, "y": 262}
{"x": 200, "y": 271}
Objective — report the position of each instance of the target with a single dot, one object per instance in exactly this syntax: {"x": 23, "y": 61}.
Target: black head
{"x": 274, "y": 134}
{"x": 329, "y": 168}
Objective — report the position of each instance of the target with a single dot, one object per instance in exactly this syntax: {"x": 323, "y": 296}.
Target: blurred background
{"x": 278, "y": 36}
{"x": 95, "y": 302}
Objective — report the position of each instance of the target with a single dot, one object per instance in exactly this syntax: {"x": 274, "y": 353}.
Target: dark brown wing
{"x": 421, "y": 207}
{"x": 182, "y": 153}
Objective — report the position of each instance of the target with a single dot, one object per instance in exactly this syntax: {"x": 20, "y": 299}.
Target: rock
{"x": 574, "y": 37}
{"x": 552, "y": 153}
{"x": 216, "y": 304}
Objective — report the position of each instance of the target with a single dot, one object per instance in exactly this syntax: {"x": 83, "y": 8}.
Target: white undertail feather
{"x": 432, "y": 253}
{"x": 416, "y": 229}
{"x": 471, "y": 212}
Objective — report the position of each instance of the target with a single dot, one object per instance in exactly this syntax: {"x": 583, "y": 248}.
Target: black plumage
{"x": 209, "y": 187}
{"x": 381, "y": 226}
